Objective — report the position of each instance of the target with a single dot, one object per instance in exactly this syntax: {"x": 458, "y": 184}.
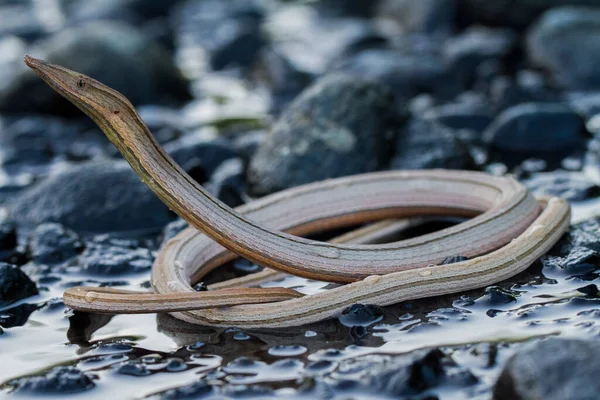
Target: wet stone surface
{"x": 251, "y": 97}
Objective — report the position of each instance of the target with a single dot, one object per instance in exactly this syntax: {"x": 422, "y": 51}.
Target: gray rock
{"x": 536, "y": 129}
{"x": 406, "y": 73}
{"x": 551, "y": 369}
{"x": 106, "y": 256}
{"x": 116, "y": 54}
{"x": 338, "y": 126}
{"x": 14, "y": 284}
{"x": 425, "y": 144}
{"x": 103, "y": 196}
{"x": 467, "y": 51}
{"x": 564, "y": 41}
{"x": 52, "y": 243}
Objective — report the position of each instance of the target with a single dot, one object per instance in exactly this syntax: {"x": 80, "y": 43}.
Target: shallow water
{"x": 135, "y": 356}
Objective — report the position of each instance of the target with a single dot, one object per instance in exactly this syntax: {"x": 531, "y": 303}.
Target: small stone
{"x": 106, "y": 258}
{"x": 425, "y": 144}
{"x": 52, "y": 243}
{"x": 14, "y": 284}
{"x": 361, "y": 315}
{"x": 427, "y": 16}
{"x": 539, "y": 130}
{"x": 60, "y": 380}
{"x": 551, "y": 369}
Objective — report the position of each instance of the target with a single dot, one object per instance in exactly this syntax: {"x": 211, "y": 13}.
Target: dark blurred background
{"x": 252, "y": 97}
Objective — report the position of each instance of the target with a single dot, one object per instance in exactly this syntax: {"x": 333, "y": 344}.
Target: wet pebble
{"x": 535, "y": 129}
{"x": 196, "y": 390}
{"x": 52, "y": 243}
{"x": 103, "y": 196}
{"x": 417, "y": 372}
{"x": 551, "y": 369}
{"x": 339, "y": 126}
{"x": 14, "y": 284}
{"x": 59, "y": 380}
{"x": 17, "y": 316}
{"x": 468, "y": 50}
{"x": 497, "y": 296}
{"x": 563, "y": 41}
{"x": 423, "y": 144}
{"x": 132, "y": 368}
{"x": 102, "y": 257}
{"x": 361, "y": 315}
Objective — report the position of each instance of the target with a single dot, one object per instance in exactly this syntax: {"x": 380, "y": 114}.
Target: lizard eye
{"x": 80, "y": 83}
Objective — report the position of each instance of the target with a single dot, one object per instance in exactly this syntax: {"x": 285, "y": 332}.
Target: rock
{"x": 551, "y": 369}
{"x": 415, "y": 373}
{"x": 248, "y": 143}
{"x": 105, "y": 256}
{"x": 467, "y": 51}
{"x": 60, "y": 380}
{"x": 200, "y": 157}
{"x": 23, "y": 20}
{"x": 423, "y": 144}
{"x": 516, "y": 14}
{"x": 471, "y": 115}
{"x": 17, "y": 316}
{"x": 36, "y": 140}
{"x": 14, "y": 284}
{"x": 358, "y": 9}
{"x": 228, "y": 33}
{"x": 339, "y": 126}
{"x": 138, "y": 68}
{"x": 563, "y": 41}
{"x": 405, "y": 73}
{"x": 8, "y": 235}
{"x": 536, "y": 130}
{"x": 429, "y": 16}
{"x": 52, "y": 243}
{"x": 361, "y": 315}
{"x": 571, "y": 186}
{"x": 228, "y": 182}
{"x": 103, "y": 196}
{"x": 506, "y": 92}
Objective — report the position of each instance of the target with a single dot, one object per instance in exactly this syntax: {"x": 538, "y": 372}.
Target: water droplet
{"x": 240, "y": 336}
{"x": 287, "y": 351}
{"x": 328, "y": 251}
{"x": 91, "y": 296}
{"x": 425, "y": 272}
{"x": 310, "y": 334}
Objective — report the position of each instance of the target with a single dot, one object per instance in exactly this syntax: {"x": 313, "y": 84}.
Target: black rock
{"x": 517, "y": 14}
{"x": 586, "y": 234}
{"x": 564, "y": 42}
{"x": 8, "y": 235}
{"x": 506, "y": 92}
{"x": 581, "y": 260}
{"x": 361, "y": 315}
{"x": 470, "y": 117}
{"x": 104, "y": 256}
{"x": 60, "y": 380}
{"x": 14, "y": 284}
{"x": 429, "y": 16}
{"x": 425, "y": 144}
{"x": 540, "y": 130}
{"x": 551, "y": 369}
{"x": 496, "y": 296}
{"x": 192, "y": 391}
{"x": 138, "y": 68}
{"x": 36, "y": 140}
{"x": 200, "y": 157}
{"x": 467, "y": 51}
{"x": 52, "y": 243}
{"x": 406, "y": 73}
{"x": 339, "y": 126}
{"x": 102, "y": 196}
{"x": 228, "y": 183}
{"x": 17, "y": 316}
{"x": 417, "y": 372}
